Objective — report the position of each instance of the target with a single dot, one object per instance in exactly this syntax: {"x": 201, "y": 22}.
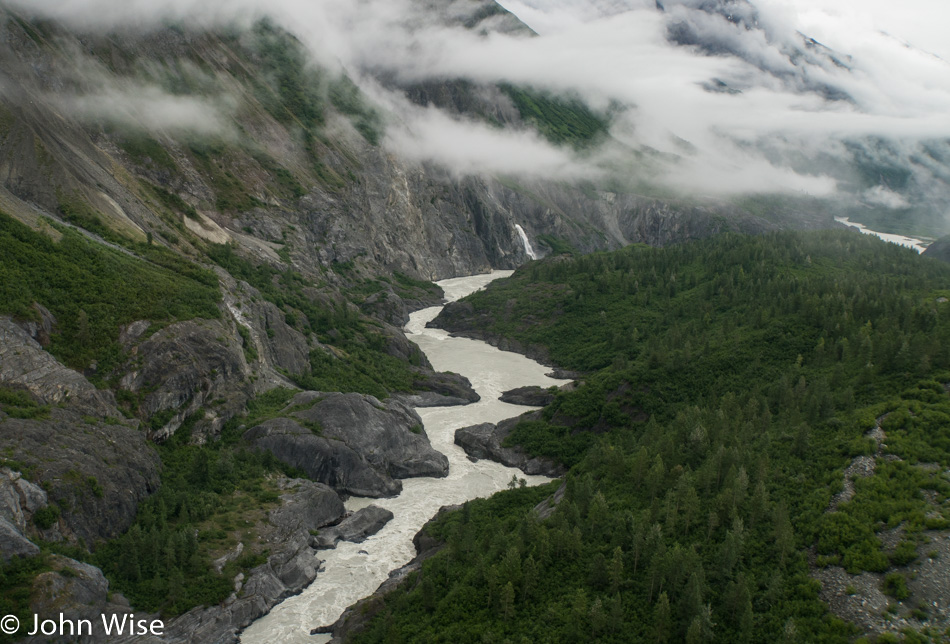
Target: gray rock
{"x": 388, "y": 434}
{"x": 131, "y": 333}
{"x": 13, "y": 543}
{"x": 287, "y": 346}
{"x": 485, "y": 441}
{"x": 41, "y": 330}
{"x": 307, "y": 506}
{"x": 96, "y": 472}
{"x": 531, "y": 396}
{"x": 24, "y": 362}
{"x": 184, "y": 367}
{"x": 19, "y": 498}
{"x": 448, "y": 389}
{"x": 546, "y": 508}
{"x": 355, "y": 528}
{"x": 325, "y": 460}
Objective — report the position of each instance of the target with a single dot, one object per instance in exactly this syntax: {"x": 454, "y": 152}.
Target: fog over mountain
{"x": 713, "y": 97}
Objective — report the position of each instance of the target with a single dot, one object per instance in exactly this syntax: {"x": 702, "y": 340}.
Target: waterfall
{"x": 527, "y": 244}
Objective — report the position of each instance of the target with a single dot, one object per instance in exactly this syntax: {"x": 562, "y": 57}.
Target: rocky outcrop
{"x": 328, "y": 461}
{"x": 92, "y": 465}
{"x": 355, "y": 528}
{"x": 95, "y": 472}
{"x": 183, "y": 369}
{"x": 439, "y": 389}
{"x": 308, "y": 506}
{"x": 19, "y": 499}
{"x": 23, "y": 362}
{"x": 485, "y": 441}
{"x": 531, "y": 396}
{"x": 389, "y": 434}
{"x": 13, "y": 543}
{"x": 354, "y": 443}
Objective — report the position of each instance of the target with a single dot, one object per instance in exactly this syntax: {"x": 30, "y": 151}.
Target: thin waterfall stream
{"x": 353, "y": 571}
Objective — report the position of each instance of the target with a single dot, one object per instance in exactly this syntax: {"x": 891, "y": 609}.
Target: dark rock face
{"x": 361, "y": 446}
{"x": 330, "y": 462}
{"x": 23, "y": 362}
{"x": 19, "y": 499}
{"x": 531, "y": 396}
{"x": 78, "y": 591}
{"x": 97, "y": 472}
{"x": 13, "y": 543}
{"x": 355, "y": 528}
{"x": 307, "y": 507}
{"x": 96, "y": 467}
{"x": 388, "y": 434}
{"x": 484, "y": 441}
{"x": 184, "y": 367}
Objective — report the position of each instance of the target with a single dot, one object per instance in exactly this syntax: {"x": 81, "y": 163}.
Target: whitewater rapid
{"x": 353, "y": 571}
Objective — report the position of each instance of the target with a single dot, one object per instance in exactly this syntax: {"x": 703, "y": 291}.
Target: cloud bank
{"x": 782, "y": 99}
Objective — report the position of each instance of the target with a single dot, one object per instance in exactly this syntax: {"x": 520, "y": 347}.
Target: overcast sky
{"x": 897, "y": 77}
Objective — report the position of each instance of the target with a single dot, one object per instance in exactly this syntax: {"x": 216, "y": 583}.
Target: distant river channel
{"x": 354, "y": 571}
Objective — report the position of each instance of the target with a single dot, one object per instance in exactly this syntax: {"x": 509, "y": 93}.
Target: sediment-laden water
{"x": 353, "y": 571}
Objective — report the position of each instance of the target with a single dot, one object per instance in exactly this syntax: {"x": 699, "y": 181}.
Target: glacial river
{"x": 353, "y": 571}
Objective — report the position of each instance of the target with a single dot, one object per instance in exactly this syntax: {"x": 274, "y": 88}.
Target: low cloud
{"x": 148, "y": 108}
{"x": 787, "y": 109}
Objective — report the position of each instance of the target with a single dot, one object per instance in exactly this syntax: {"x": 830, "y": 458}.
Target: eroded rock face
{"x": 96, "y": 472}
{"x": 95, "y": 466}
{"x": 388, "y": 433}
{"x": 19, "y": 498}
{"x": 23, "y": 362}
{"x": 306, "y": 506}
{"x": 330, "y": 462}
{"x": 183, "y": 368}
{"x": 354, "y": 443}
{"x": 13, "y": 543}
{"x": 485, "y": 441}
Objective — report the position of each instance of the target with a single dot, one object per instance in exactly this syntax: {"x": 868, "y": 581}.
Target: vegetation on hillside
{"x": 731, "y": 381}
{"x": 212, "y": 497}
{"x": 360, "y": 362}
{"x": 92, "y": 290}
{"x": 560, "y": 120}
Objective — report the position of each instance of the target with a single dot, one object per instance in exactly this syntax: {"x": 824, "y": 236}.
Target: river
{"x": 353, "y": 571}
{"x": 919, "y": 245}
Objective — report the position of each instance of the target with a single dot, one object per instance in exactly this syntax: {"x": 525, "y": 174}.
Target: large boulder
{"x": 306, "y": 506}
{"x": 355, "y": 528}
{"x": 389, "y": 434}
{"x": 325, "y": 460}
